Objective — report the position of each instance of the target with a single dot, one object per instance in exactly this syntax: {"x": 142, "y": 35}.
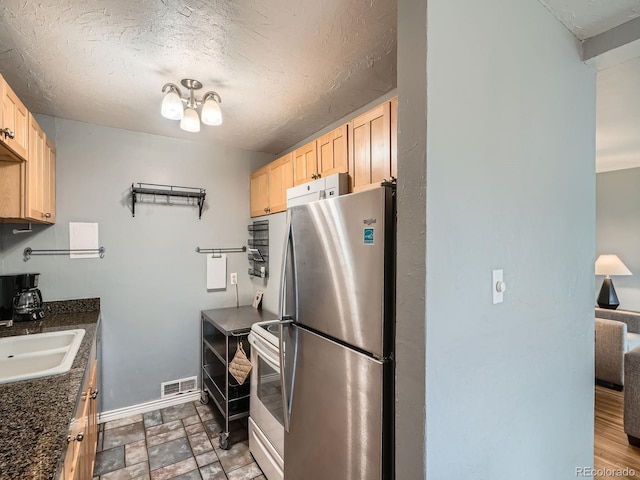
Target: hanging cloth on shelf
{"x": 240, "y": 366}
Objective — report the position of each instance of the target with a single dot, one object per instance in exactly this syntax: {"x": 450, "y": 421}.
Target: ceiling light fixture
{"x": 189, "y": 121}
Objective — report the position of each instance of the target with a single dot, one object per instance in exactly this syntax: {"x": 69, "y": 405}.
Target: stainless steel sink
{"x": 32, "y": 356}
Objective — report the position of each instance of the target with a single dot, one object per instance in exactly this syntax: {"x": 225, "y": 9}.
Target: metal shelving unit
{"x": 218, "y": 347}
{"x": 153, "y": 190}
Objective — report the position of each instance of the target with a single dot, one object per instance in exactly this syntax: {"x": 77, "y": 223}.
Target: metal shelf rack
{"x": 221, "y": 328}
{"x": 195, "y": 194}
{"x": 259, "y": 232}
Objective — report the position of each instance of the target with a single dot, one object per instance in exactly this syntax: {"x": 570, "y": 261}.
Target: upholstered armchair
{"x": 617, "y": 332}
{"x": 632, "y": 396}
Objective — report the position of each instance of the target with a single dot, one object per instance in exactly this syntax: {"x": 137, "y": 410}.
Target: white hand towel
{"x": 83, "y": 236}
{"x": 216, "y": 272}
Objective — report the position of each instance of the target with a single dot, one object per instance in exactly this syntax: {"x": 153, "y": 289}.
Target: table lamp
{"x": 609, "y": 265}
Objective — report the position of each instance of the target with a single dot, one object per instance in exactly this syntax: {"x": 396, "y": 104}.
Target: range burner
{"x": 268, "y": 330}
{"x": 272, "y": 328}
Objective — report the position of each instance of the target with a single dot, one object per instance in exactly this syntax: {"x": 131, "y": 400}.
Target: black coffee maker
{"x": 22, "y": 294}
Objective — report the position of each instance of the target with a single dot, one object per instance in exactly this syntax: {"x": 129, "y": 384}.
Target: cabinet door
{"x": 394, "y": 137}
{"x": 49, "y": 182}
{"x": 370, "y": 160}
{"x": 15, "y": 117}
{"x": 260, "y": 192}
{"x": 35, "y": 172}
{"x": 333, "y": 152}
{"x": 88, "y": 452}
{"x": 73, "y": 466}
{"x": 81, "y": 452}
{"x": 304, "y": 164}
{"x": 12, "y": 193}
{"x": 280, "y": 178}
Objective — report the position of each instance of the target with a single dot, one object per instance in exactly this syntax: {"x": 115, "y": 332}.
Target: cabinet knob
{"x": 8, "y": 133}
{"x": 266, "y": 209}
{"x": 78, "y": 438}
{"x": 47, "y": 215}
{"x": 314, "y": 175}
{"x": 94, "y": 394}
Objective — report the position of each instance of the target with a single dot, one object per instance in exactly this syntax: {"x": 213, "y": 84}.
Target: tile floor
{"x": 179, "y": 442}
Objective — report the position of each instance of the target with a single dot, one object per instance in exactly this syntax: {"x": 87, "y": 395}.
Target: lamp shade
{"x": 611, "y": 265}
{"x": 172, "y": 106}
{"x": 190, "y": 122}
{"x": 211, "y": 113}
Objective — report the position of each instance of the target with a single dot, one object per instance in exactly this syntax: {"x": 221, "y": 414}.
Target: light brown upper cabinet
{"x": 14, "y": 125}
{"x": 305, "y": 164}
{"x": 260, "y": 192}
{"x": 49, "y": 182}
{"x": 366, "y": 148}
{"x": 325, "y": 156}
{"x": 35, "y": 206}
{"x": 40, "y": 176}
{"x": 280, "y": 178}
{"x": 371, "y": 159}
{"x": 333, "y": 152}
{"x": 269, "y": 186}
{"x": 27, "y": 164}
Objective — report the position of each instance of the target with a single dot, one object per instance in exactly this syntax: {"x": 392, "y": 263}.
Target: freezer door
{"x": 336, "y": 427}
{"x": 342, "y": 254}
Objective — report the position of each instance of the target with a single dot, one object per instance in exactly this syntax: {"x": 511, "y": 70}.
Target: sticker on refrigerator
{"x": 368, "y": 236}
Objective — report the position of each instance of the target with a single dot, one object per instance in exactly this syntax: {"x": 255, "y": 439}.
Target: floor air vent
{"x": 177, "y": 387}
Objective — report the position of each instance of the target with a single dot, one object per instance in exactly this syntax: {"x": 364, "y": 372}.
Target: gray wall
{"x": 511, "y": 185}
{"x": 412, "y": 225}
{"x": 151, "y": 281}
{"x": 618, "y": 229}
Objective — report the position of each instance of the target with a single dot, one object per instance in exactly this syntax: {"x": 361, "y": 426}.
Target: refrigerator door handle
{"x": 283, "y": 377}
{"x": 283, "y": 274}
{"x": 284, "y": 320}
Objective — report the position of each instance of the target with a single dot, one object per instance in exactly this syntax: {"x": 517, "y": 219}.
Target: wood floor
{"x": 612, "y": 452}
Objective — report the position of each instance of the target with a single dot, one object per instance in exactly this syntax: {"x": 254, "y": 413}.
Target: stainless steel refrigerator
{"x": 337, "y": 334}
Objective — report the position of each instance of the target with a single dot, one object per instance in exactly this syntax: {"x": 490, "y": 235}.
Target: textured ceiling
{"x": 283, "y": 68}
{"x": 587, "y": 18}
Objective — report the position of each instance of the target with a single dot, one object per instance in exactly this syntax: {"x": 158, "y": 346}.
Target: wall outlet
{"x": 234, "y": 278}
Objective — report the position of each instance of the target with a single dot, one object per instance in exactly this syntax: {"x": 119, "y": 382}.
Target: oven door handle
{"x": 266, "y": 355}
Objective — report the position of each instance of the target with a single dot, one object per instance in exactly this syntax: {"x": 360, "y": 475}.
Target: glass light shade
{"x": 190, "y": 122}
{"x": 611, "y": 265}
{"x": 211, "y": 113}
{"x": 172, "y": 106}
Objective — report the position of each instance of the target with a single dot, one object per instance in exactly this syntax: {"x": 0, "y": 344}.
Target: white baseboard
{"x": 148, "y": 406}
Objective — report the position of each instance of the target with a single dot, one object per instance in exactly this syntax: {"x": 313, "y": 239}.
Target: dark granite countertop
{"x": 35, "y": 414}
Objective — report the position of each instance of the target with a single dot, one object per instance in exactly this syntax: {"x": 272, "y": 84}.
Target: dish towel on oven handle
{"x": 240, "y": 366}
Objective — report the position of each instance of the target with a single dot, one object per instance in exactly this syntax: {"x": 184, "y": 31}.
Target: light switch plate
{"x": 496, "y": 277}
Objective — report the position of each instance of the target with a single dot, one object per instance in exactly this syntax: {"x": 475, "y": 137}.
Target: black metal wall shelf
{"x": 197, "y": 194}
{"x": 259, "y": 231}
